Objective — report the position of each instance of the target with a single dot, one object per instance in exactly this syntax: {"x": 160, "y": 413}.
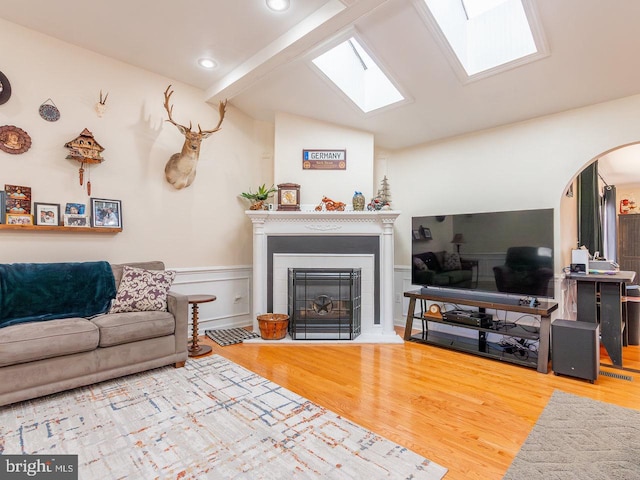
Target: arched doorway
{"x": 618, "y": 167}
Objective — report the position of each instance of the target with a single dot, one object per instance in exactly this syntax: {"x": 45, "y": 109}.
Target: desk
{"x": 195, "y": 350}
{"x": 610, "y": 289}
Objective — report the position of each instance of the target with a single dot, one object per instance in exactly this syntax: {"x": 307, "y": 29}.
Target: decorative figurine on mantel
{"x": 330, "y": 205}
{"x": 358, "y": 201}
{"x": 382, "y": 201}
{"x": 85, "y": 149}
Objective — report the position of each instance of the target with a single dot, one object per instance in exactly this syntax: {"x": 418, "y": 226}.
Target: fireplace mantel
{"x": 354, "y": 224}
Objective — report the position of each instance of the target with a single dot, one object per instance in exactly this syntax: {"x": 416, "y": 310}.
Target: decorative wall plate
{"x": 14, "y": 140}
{"x": 5, "y": 89}
{"x": 49, "y": 111}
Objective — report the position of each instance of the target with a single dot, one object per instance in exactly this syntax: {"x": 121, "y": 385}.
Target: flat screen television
{"x": 508, "y": 252}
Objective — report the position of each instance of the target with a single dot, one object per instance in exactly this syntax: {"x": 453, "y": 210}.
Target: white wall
{"x": 294, "y": 134}
{"x": 201, "y": 225}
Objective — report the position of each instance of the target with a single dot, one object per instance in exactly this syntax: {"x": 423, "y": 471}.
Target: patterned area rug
{"x": 582, "y": 439}
{"x": 210, "y": 419}
{"x": 230, "y": 336}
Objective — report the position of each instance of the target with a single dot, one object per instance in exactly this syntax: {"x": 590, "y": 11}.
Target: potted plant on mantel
{"x": 258, "y": 198}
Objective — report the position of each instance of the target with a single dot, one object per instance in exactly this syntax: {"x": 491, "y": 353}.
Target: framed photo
{"x": 106, "y": 213}
{"x": 47, "y": 213}
{"x": 19, "y": 219}
{"x": 426, "y": 233}
{"x": 76, "y": 220}
{"x": 416, "y": 235}
{"x": 18, "y": 199}
{"x": 74, "y": 209}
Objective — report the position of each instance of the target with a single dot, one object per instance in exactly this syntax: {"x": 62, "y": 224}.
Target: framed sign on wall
{"x": 324, "y": 159}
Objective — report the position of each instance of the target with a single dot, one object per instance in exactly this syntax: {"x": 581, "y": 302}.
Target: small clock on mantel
{"x": 288, "y": 196}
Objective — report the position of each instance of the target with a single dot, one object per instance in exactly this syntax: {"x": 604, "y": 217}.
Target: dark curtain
{"x": 609, "y": 216}
{"x": 589, "y": 222}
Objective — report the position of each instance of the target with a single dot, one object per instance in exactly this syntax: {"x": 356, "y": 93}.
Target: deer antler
{"x": 221, "y": 110}
{"x": 169, "y": 109}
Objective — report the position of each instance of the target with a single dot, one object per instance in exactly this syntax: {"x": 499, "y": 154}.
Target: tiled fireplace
{"x": 329, "y": 240}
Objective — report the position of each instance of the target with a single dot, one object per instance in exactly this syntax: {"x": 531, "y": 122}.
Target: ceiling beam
{"x": 326, "y": 22}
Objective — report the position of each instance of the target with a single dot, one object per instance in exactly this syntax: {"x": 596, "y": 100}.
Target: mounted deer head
{"x": 180, "y": 170}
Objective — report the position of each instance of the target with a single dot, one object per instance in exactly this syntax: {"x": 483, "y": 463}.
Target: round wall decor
{"x": 5, "y": 89}
{"x": 14, "y": 140}
{"x": 49, "y": 111}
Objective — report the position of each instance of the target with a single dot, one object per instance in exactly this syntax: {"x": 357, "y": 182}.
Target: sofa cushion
{"x": 142, "y": 290}
{"x": 119, "y": 328}
{"x": 458, "y": 276}
{"x": 27, "y": 342}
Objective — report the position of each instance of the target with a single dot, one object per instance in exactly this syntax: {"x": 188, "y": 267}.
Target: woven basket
{"x": 273, "y": 326}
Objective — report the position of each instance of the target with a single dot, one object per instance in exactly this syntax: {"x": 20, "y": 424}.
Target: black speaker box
{"x": 575, "y": 349}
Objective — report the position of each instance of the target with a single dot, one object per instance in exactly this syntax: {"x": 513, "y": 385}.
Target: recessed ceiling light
{"x": 278, "y": 5}
{"x": 207, "y": 63}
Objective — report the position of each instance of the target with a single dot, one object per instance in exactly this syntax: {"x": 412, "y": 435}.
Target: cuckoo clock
{"x": 85, "y": 150}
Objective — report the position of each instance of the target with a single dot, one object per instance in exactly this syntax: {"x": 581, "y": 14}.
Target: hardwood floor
{"x": 466, "y": 413}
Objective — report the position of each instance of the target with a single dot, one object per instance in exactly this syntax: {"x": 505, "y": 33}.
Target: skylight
{"x": 354, "y": 72}
{"x": 475, "y": 8}
{"x": 487, "y": 34}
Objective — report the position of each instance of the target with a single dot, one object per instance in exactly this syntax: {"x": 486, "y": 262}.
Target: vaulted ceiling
{"x": 264, "y": 57}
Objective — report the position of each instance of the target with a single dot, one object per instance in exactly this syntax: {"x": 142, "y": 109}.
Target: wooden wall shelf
{"x": 55, "y": 228}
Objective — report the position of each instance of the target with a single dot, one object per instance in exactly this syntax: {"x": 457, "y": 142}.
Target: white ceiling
{"x": 264, "y": 57}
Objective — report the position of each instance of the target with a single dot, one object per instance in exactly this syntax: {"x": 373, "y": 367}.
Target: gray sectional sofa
{"x": 42, "y": 354}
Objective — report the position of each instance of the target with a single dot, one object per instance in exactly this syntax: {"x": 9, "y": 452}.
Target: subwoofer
{"x": 575, "y": 349}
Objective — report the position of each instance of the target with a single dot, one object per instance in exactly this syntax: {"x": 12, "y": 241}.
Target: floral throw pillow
{"x": 142, "y": 290}
{"x": 452, "y": 261}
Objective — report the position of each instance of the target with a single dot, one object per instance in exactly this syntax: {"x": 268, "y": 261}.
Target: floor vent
{"x": 616, "y": 375}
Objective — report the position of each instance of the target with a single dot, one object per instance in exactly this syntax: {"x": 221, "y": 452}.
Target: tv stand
{"x": 512, "y": 350}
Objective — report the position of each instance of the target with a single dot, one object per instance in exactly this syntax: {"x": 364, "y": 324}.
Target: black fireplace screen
{"x": 324, "y": 303}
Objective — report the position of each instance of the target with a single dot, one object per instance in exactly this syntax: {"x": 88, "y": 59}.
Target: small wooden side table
{"x": 195, "y": 350}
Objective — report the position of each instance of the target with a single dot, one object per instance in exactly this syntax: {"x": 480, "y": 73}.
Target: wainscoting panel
{"x": 230, "y": 285}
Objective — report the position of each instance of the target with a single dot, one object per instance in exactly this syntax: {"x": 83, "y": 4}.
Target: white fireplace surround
{"x": 331, "y": 224}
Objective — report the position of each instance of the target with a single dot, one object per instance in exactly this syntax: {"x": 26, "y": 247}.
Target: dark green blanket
{"x": 31, "y": 292}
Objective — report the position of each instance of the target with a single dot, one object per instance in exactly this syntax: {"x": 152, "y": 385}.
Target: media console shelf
{"x": 480, "y": 345}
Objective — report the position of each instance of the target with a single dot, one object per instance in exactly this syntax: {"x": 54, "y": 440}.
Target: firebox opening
{"x": 324, "y": 303}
